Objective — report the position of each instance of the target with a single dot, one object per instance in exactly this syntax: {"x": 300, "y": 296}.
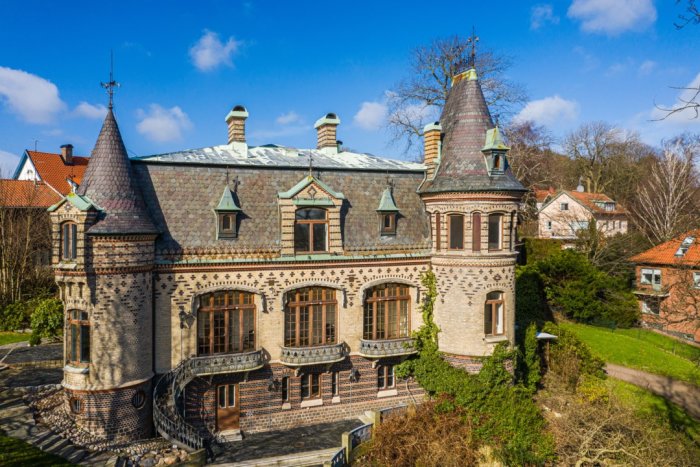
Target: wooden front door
{"x": 228, "y": 410}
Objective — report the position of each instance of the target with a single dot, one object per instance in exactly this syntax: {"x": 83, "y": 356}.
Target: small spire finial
{"x": 472, "y": 55}
{"x": 111, "y": 84}
{"x": 311, "y": 165}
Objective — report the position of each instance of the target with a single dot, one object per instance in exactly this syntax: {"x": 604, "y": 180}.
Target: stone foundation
{"x": 112, "y": 413}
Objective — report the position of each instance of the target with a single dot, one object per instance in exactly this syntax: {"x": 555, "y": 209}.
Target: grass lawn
{"x": 16, "y": 453}
{"x": 649, "y": 405}
{"x": 651, "y": 352}
{"x": 11, "y": 337}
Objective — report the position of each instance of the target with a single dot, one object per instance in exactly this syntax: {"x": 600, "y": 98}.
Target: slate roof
{"x": 281, "y": 156}
{"x": 109, "y": 183}
{"x": 53, "y": 171}
{"x": 26, "y": 194}
{"x": 181, "y": 197}
{"x": 465, "y": 120}
{"x": 665, "y": 253}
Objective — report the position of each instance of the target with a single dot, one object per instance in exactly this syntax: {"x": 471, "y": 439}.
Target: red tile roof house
{"x": 668, "y": 285}
{"x": 52, "y": 169}
{"x": 563, "y": 214}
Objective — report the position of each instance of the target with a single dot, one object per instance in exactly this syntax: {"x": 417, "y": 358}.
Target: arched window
{"x": 386, "y": 312}
{"x": 495, "y": 232}
{"x": 476, "y": 232}
{"x": 310, "y": 317}
{"x": 494, "y": 314}
{"x": 456, "y": 231}
{"x": 69, "y": 242}
{"x": 78, "y": 337}
{"x": 226, "y": 323}
{"x": 311, "y": 230}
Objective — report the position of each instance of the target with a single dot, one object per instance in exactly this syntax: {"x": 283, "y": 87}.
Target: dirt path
{"x": 679, "y": 392}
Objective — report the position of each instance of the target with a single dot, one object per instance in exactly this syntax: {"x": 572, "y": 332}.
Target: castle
{"x": 233, "y": 289}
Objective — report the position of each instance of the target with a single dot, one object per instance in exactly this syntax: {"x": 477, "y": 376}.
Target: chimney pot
{"x": 326, "y": 133}
{"x": 67, "y": 154}
{"x": 235, "y": 120}
{"x": 432, "y": 140}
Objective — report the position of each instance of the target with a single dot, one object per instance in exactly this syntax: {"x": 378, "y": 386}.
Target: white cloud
{"x": 33, "y": 98}
{"x": 288, "y": 118}
{"x": 371, "y": 116}
{"x": 542, "y": 14}
{"x": 209, "y": 52}
{"x": 162, "y": 125}
{"x": 84, "y": 109}
{"x": 8, "y": 163}
{"x": 613, "y": 17}
{"x": 647, "y": 67}
{"x": 549, "y": 111}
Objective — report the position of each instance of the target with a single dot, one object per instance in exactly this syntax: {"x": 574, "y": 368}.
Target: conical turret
{"x": 465, "y": 121}
{"x": 109, "y": 183}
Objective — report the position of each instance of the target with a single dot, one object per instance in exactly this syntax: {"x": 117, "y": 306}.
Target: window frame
{"x": 309, "y": 381}
{"x": 656, "y": 276}
{"x": 501, "y": 224}
{"x": 295, "y": 306}
{"x": 450, "y": 219}
{"x": 383, "y": 228}
{"x": 375, "y": 303}
{"x": 69, "y": 241}
{"x": 78, "y": 323}
{"x": 491, "y": 307}
{"x": 386, "y": 377}
{"x": 230, "y": 232}
{"x": 207, "y": 316}
{"x": 335, "y": 383}
{"x": 286, "y": 389}
{"x": 228, "y": 401}
{"x": 696, "y": 279}
{"x": 476, "y": 232}
{"x": 311, "y": 223}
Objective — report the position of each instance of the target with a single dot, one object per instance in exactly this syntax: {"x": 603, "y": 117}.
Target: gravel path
{"x": 679, "y": 392}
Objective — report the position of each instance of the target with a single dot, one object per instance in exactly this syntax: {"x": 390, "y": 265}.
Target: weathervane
{"x": 109, "y": 86}
{"x": 472, "y": 55}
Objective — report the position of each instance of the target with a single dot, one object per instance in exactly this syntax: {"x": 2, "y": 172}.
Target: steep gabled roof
{"x": 109, "y": 183}
{"x": 465, "y": 121}
{"x": 53, "y": 170}
{"x": 667, "y": 252}
{"x": 26, "y": 194}
{"x": 588, "y": 201}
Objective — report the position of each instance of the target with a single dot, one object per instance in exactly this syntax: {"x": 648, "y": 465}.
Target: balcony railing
{"x": 226, "y": 363}
{"x": 388, "y": 347}
{"x": 300, "y": 356}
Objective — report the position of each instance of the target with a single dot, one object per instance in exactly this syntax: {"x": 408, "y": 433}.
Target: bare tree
{"x": 418, "y": 99}
{"x": 691, "y": 14}
{"x": 665, "y": 206}
{"x": 25, "y": 235}
{"x": 600, "y": 151}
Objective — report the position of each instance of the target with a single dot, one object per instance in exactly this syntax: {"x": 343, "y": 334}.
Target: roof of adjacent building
{"x": 588, "y": 201}
{"x": 465, "y": 121}
{"x": 275, "y": 156}
{"x": 109, "y": 183}
{"x": 541, "y": 195}
{"x": 54, "y": 171}
{"x": 668, "y": 253}
{"x": 26, "y": 194}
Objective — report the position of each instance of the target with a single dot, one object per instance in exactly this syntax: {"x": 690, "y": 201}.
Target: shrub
{"x": 537, "y": 249}
{"x": 570, "y": 359}
{"x": 47, "y": 319}
{"x": 14, "y": 317}
{"x": 530, "y": 362}
{"x": 34, "y": 339}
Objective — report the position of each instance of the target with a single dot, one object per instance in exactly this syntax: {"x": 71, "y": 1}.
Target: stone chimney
{"x": 236, "y": 125}
{"x": 326, "y": 128}
{"x": 67, "y": 154}
{"x": 432, "y": 140}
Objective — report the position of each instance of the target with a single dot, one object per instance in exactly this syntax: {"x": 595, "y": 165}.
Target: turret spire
{"x": 111, "y": 84}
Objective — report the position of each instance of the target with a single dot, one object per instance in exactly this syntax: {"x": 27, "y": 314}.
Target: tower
{"x": 103, "y": 256}
{"x": 473, "y": 199}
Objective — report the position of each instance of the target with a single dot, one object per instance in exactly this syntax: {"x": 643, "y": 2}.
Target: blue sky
{"x": 183, "y": 65}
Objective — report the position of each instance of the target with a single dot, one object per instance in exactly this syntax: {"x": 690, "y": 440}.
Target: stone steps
{"x": 301, "y": 459}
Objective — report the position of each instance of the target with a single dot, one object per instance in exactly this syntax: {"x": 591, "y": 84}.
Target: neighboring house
{"x": 542, "y": 196}
{"x": 668, "y": 285}
{"x": 52, "y": 169}
{"x": 563, "y": 214}
{"x": 235, "y": 288}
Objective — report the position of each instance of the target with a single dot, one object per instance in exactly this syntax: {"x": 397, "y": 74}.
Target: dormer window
{"x": 685, "y": 245}
{"x": 227, "y": 215}
{"x": 388, "y": 212}
{"x": 311, "y": 231}
{"x": 495, "y": 152}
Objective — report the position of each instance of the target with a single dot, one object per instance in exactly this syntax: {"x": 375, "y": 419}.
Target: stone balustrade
{"x": 387, "y": 347}
{"x": 300, "y": 356}
{"x": 226, "y": 363}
